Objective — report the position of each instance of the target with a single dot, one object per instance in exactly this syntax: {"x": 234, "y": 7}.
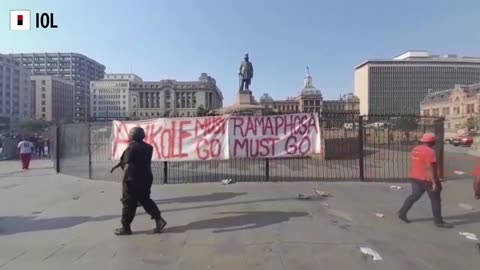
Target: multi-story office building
{"x": 71, "y": 66}
{"x": 460, "y": 106}
{"x": 54, "y": 98}
{"x": 16, "y": 95}
{"x": 311, "y": 100}
{"x": 398, "y": 86}
{"x": 111, "y": 97}
{"x": 175, "y": 98}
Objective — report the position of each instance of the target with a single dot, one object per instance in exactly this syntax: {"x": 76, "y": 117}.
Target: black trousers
{"x": 418, "y": 188}
{"x": 132, "y": 194}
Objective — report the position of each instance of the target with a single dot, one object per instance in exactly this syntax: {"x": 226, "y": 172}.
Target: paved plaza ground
{"x": 53, "y": 221}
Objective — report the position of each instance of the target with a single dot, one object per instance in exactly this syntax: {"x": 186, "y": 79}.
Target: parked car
{"x": 464, "y": 140}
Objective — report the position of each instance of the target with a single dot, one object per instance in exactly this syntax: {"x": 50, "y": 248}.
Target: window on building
{"x": 43, "y": 96}
{"x": 43, "y": 109}
{"x": 456, "y": 110}
{"x": 470, "y": 108}
{"x": 43, "y": 82}
{"x": 43, "y": 102}
{"x": 426, "y": 112}
{"x": 436, "y": 112}
{"x": 446, "y": 111}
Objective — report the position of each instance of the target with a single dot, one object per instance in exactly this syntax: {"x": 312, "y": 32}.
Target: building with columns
{"x": 310, "y": 99}
{"x": 169, "y": 98}
{"x": 111, "y": 98}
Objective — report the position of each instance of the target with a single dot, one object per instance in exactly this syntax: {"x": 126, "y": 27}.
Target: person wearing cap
{"x": 137, "y": 182}
{"x": 424, "y": 178}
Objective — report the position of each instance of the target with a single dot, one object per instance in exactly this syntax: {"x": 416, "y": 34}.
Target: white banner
{"x": 225, "y": 137}
{"x": 177, "y": 139}
{"x": 277, "y": 136}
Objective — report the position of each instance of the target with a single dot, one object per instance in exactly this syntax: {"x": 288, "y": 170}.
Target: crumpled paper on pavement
{"x": 372, "y": 253}
{"x": 470, "y": 236}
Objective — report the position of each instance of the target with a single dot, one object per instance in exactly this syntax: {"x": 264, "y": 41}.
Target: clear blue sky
{"x": 181, "y": 38}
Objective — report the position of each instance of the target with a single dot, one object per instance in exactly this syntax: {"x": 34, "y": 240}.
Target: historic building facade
{"x": 311, "y": 100}
{"x": 170, "y": 98}
{"x": 460, "y": 106}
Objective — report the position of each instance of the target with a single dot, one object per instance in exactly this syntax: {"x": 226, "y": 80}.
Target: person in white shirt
{"x": 25, "y": 148}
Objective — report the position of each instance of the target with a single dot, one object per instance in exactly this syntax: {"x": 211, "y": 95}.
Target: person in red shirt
{"x": 476, "y": 181}
{"x": 424, "y": 178}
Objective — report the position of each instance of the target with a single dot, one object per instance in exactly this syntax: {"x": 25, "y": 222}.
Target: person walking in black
{"x": 137, "y": 182}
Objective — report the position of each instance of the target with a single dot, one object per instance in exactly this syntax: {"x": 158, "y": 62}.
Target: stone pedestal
{"x": 245, "y": 97}
{"x": 244, "y": 104}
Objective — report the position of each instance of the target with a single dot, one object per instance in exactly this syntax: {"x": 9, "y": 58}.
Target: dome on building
{"x": 350, "y": 98}
{"x": 266, "y": 98}
{"x": 308, "y": 88}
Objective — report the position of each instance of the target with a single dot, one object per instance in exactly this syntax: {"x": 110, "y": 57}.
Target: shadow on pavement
{"x": 20, "y": 224}
{"x": 227, "y": 204}
{"x": 462, "y": 219}
{"x": 238, "y": 221}
{"x": 217, "y": 196}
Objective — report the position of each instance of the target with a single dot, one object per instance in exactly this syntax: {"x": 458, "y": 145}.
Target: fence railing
{"x": 366, "y": 148}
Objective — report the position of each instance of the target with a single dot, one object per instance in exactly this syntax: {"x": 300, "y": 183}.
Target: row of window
{"x": 108, "y": 108}
{"x": 445, "y": 111}
{"x": 109, "y": 96}
{"x": 112, "y": 102}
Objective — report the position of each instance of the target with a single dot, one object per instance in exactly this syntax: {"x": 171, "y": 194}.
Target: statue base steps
{"x": 245, "y": 97}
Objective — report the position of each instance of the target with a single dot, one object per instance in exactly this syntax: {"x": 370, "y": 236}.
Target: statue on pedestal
{"x": 245, "y": 74}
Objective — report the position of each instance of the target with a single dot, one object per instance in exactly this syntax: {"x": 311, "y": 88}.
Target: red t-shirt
{"x": 476, "y": 172}
{"x": 421, "y": 157}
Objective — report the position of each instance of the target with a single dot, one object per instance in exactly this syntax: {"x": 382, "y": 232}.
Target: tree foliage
{"x": 36, "y": 126}
{"x": 201, "y": 111}
{"x": 405, "y": 123}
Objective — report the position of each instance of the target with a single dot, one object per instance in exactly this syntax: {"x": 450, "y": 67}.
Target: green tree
{"x": 201, "y": 111}
{"x": 35, "y": 126}
{"x": 405, "y": 123}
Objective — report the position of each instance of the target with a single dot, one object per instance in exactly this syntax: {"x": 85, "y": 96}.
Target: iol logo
{"x": 20, "y": 20}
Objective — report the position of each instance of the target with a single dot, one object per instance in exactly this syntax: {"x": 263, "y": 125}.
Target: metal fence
{"x": 366, "y": 148}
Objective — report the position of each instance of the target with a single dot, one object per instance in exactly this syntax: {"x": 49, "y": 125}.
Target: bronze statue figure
{"x": 245, "y": 74}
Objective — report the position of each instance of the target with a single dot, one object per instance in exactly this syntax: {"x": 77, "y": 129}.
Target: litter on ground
{"x": 321, "y": 193}
{"x": 380, "y": 215}
{"x": 457, "y": 172}
{"x": 371, "y": 253}
{"x": 76, "y": 197}
{"x": 227, "y": 181}
{"x": 465, "y": 206}
{"x": 395, "y": 187}
{"x": 301, "y": 196}
{"x": 470, "y": 236}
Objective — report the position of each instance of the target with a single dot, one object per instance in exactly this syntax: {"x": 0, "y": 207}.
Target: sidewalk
{"x": 50, "y": 221}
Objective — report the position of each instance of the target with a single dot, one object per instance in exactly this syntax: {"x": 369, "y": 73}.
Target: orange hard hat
{"x": 428, "y": 137}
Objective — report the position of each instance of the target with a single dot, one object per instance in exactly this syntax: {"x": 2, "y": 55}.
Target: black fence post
{"x": 361, "y": 152}
{"x": 439, "y": 129}
{"x": 267, "y": 170}
{"x": 57, "y": 148}
{"x": 89, "y": 132}
{"x": 165, "y": 172}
